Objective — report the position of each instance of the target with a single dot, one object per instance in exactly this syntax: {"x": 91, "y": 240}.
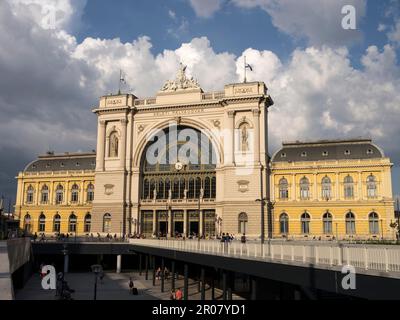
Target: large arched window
{"x": 207, "y": 188}
{"x": 57, "y": 223}
{"x": 72, "y": 222}
{"x": 114, "y": 145}
{"x": 371, "y": 186}
{"x": 373, "y": 220}
{"x": 283, "y": 189}
{"x": 305, "y": 223}
{"x": 90, "y": 193}
{"x": 175, "y": 189}
{"x": 284, "y": 223}
{"x": 348, "y": 187}
{"x": 88, "y": 223}
{"x": 243, "y": 220}
{"x": 59, "y": 194}
{"x": 191, "y": 189}
{"x": 74, "y": 193}
{"x": 107, "y": 223}
{"x": 29, "y": 195}
{"x": 304, "y": 189}
{"x": 326, "y": 188}
{"x": 146, "y": 189}
{"x": 327, "y": 223}
{"x": 350, "y": 223}
{"x": 27, "y": 223}
{"x": 44, "y": 198}
{"x": 213, "y": 187}
{"x": 42, "y": 223}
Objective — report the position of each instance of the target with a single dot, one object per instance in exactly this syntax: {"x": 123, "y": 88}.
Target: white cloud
{"x": 206, "y": 8}
{"x": 382, "y": 27}
{"x": 394, "y": 33}
{"x": 172, "y": 14}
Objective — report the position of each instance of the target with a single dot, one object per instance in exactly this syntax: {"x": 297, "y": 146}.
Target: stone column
{"x": 169, "y": 230}
{"x": 294, "y": 187}
{"x": 154, "y": 222}
{"x": 337, "y": 189}
{"x": 100, "y": 146}
{"x": 201, "y": 223}
{"x": 185, "y": 222}
{"x": 256, "y": 117}
{"x": 231, "y": 138}
{"x": 122, "y": 152}
{"x": 119, "y": 260}
{"x": 315, "y": 189}
{"x": 360, "y": 193}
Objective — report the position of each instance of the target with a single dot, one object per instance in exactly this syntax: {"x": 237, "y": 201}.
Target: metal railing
{"x": 365, "y": 257}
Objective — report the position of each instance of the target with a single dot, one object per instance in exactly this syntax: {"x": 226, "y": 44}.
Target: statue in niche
{"x": 185, "y": 194}
{"x": 244, "y": 138}
{"x": 169, "y": 194}
{"x": 201, "y": 193}
{"x": 113, "y": 145}
{"x": 155, "y": 194}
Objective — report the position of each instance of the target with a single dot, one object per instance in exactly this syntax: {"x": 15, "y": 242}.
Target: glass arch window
{"x": 304, "y": 189}
{"x": 284, "y": 223}
{"x": 348, "y": 184}
{"x": 29, "y": 195}
{"x": 371, "y": 186}
{"x": 28, "y": 223}
{"x": 42, "y": 223}
{"x": 72, "y": 222}
{"x": 59, "y": 194}
{"x": 326, "y": 188}
{"x": 305, "y": 223}
{"x": 283, "y": 189}
{"x": 57, "y": 223}
{"x": 327, "y": 223}
{"x": 243, "y": 220}
{"x": 90, "y": 193}
{"x": 107, "y": 223}
{"x": 87, "y": 223}
{"x": 75, "y": 193}
{"x": 350, "y": 223}
{"x": 373, "y": 221}
{"x": 44, "y": 198}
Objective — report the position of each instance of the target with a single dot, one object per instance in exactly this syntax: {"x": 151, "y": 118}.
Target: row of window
{"x": 326, "y": 153}
{"x": 327, "y": 223}
{"x": 59, "y": 194}
{"x": 72, "y": 223}
{"x": 326, "y": 188}
{"x": 179, "y": 188}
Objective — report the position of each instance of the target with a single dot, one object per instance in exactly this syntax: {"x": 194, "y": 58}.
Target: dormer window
{"x": 325, "y": 153}
{"x": 62, "y": 165}
{"x": 347, "y": 152}
{"x": 304, "y": 154}
{"x": 77, "y": 164}
{"x": 370, "y": 151}
{"x": 283, "y": 155}
{"x": 47, "y": 165}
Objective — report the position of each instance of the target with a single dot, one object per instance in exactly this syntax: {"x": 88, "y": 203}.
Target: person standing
{"x": 178, "y": 294}
{"x": 131, "y": 286}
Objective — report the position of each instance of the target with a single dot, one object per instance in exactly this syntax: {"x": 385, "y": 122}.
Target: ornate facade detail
{"x": 181, "y": 82}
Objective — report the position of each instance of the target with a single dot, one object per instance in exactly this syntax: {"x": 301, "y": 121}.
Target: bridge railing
{"x": 368, "y": 257}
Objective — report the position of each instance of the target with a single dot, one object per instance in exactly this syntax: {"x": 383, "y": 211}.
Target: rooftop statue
{"x": 181, "y": 81}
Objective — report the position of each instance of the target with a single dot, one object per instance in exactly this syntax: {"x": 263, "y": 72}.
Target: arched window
{"x": 348, "y": 187}
{"x": 59, "y": 194}
{"x": 191, "y": 189}
{"x": 44, "y": 199}
{"x": 146, "y": 189}
{"x": 42, "y": 223}
{"x": 27, "y": 223}
{"x": 175, "y": 190}
{"x": 207, "y": 188}
{"x": 326, "y": 188}
{"x": 107, "y": 223}
{"x": 167, "y": 190}
{"x": 213, "y": 187}
{"x": 283, "y": 189}
{"x": 72, "y": 221}
{"x": 284, "y": 223}
{"x": 371, "y": 186}
{"x": 75, "y": 193}
{"x": 153, "y": 189}
{"x": 350, "y": 223}
{"x": 113, "y": 152}
{"x": 88, "y": 222}
{"x": 305, "y": 223}
{"x": 373, "y": 220}
{"x": 182, "y": 187}
{"x": 304, "y": 189}
{"x": 327, "y": 223}
{"x": 243, "y": 222}
{"x": 29, "y": 195}
{"x": 198, "y": 188}
{"x": 160, "y": 191}
{"x": 90, "y": 193}
{"x": 57, "y": 223}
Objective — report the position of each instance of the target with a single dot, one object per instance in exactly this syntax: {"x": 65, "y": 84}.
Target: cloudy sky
{"x": 57, "y": 57}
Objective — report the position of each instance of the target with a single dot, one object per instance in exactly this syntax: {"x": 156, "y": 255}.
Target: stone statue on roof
{"x": 181, "y": 81}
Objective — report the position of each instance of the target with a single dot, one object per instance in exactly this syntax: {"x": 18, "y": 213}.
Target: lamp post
{"x": 262, "y": 201}
{"x": 96, "y": 269}
{"x": 382, "y": 229}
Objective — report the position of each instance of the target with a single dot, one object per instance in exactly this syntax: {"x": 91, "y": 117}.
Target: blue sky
{"x": 326, "y": 82}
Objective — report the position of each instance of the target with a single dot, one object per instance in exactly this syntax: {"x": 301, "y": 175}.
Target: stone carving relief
{"x": 181, "y": 82}
{"x": 243, "y": 185}
{"x": 108, "y": 189}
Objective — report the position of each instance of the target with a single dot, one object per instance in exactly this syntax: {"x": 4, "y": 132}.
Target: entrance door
{"x": 178, "y": 227}
{"x": 194, "y": 228}
{"x": 163, "y": 228}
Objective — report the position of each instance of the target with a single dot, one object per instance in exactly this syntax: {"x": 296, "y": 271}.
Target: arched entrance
{"x": 178, "y": 185}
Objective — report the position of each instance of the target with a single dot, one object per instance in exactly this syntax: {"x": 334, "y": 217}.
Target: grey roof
{"x": 327, "y": 150}
{"x": 63, "y": 162}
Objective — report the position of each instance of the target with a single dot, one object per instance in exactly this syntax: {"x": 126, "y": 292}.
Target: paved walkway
{"x": 113, "y": 287}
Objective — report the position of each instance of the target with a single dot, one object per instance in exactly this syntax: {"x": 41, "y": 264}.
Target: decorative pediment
{"x": 181, "y": 82}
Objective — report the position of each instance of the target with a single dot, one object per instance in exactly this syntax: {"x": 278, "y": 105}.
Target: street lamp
{"x": 262, "y": 201}
{"x": 96, "y": 269}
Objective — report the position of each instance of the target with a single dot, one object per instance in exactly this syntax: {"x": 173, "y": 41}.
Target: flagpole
{"x": 245, "y": 70}
{"x": 119, "y": 82}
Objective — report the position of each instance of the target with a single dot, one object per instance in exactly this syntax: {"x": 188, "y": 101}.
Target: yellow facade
{"x": 34, "y": 206}
{"x": 360, "y": 198}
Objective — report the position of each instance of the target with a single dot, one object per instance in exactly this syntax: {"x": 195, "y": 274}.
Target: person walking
{"x": 178, "y": 294}
{"x": 131, "y": 286}
{"x": 172, "y": 295}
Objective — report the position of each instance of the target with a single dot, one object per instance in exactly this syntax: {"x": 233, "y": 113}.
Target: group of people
{"x": 176, "y": 294}
{"x": 159, "y": 273}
